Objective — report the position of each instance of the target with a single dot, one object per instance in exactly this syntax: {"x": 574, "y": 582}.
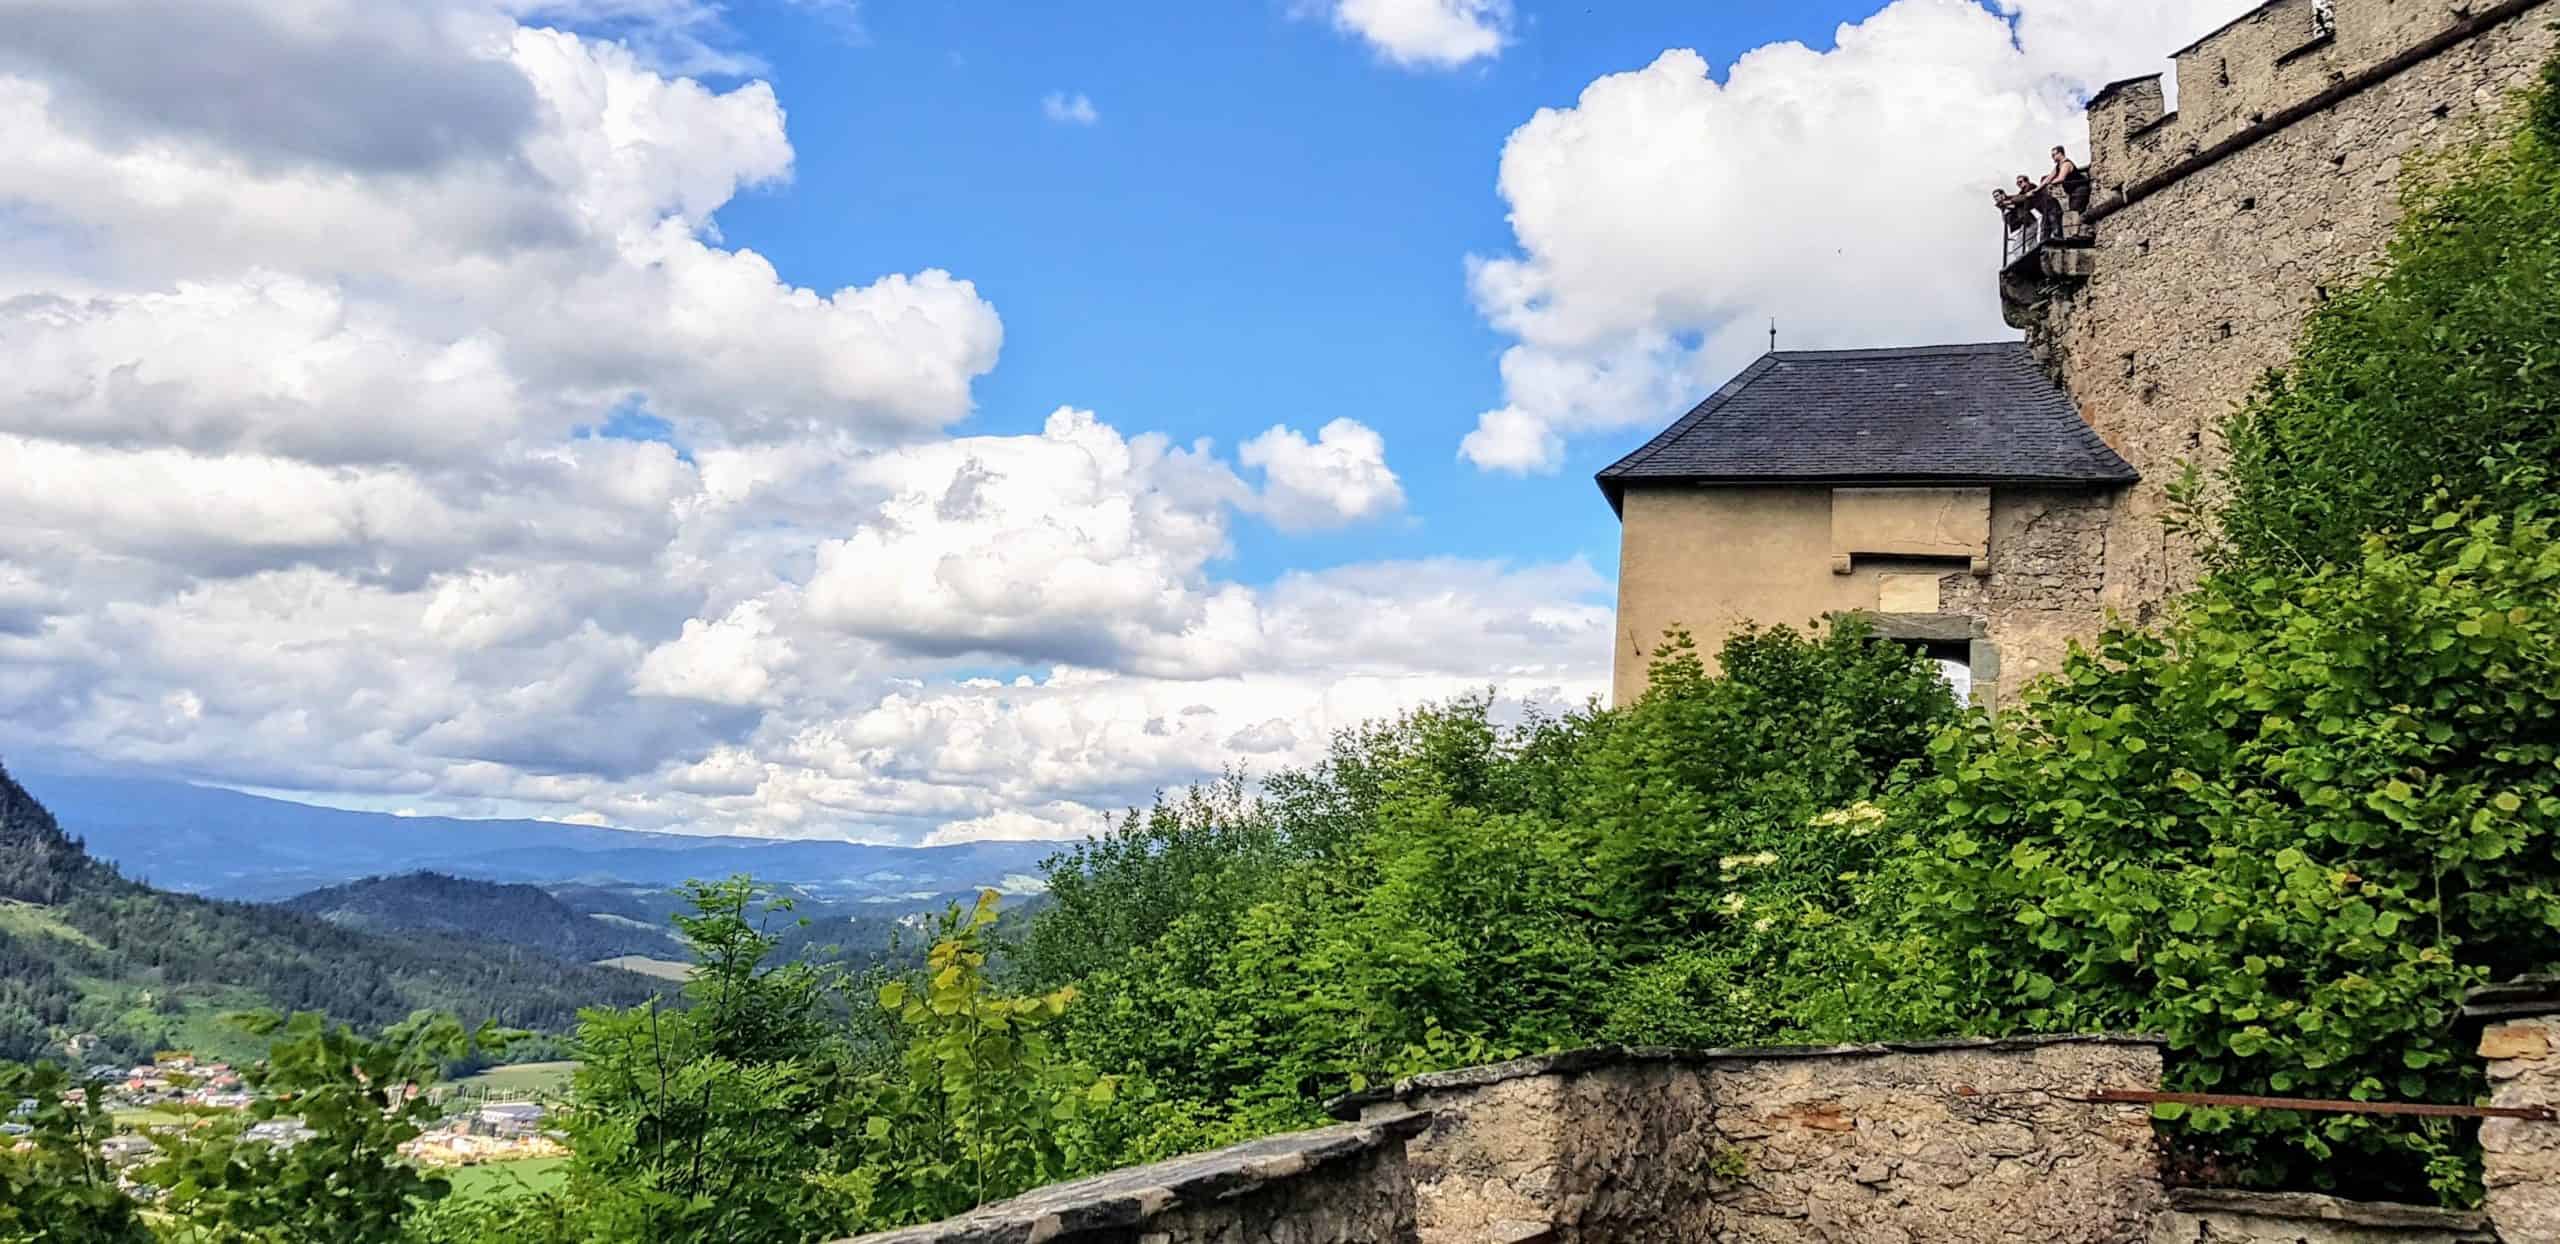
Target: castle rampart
{"x": 2212, "y": 231}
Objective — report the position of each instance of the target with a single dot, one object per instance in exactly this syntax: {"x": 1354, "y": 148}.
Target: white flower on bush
{"x": 1734, "y": 903}
{"x": 1860, "y": 819}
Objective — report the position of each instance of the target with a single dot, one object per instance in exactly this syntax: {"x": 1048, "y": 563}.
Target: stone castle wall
{"x": 1948, "y": 1142}
{"x": 2520, "y": 1158}
{"x": 2046, "y": 586}
{"x": 2220, "y": 226}
{"x": 1934, "y": 1143}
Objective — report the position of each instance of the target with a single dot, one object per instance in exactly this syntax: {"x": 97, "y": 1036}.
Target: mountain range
{"x": 226, "y": 844}
{"x": 103, "y": 966}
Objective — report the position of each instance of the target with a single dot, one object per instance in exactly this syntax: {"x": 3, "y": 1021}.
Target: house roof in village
{"x": 1925, "y": 415}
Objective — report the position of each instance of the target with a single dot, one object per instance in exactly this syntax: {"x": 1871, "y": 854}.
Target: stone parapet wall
{"x": 1340, "y": 1185}
{"x": 1926, "y": 1144}
{"x": 1596, "y": 1145}
{"x": 1912, "y": 1143}
{"x": 2520, "y": 1157}
{"x": 1916, "y": 1143}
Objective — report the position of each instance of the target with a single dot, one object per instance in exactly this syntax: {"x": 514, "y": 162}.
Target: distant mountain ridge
{"x": 519, "y": 915}
{"x": 223, "y": 843}
{"x": 87, "y": 953}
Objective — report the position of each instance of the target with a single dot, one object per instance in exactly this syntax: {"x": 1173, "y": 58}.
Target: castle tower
{"x": 2211, "y": 231}
{"x": 1944, "y": 492}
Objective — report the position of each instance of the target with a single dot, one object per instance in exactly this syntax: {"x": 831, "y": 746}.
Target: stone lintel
{"x": 1931, "y": 627}
{"x": 2521, "y": 998}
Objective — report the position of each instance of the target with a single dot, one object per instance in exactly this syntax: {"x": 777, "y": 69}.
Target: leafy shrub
{"x": 361, "y": 1097}
{"x": 2425, "y": 379}
{"x": 2287, "y": 833}
{"x": 1446, "y": 889}
{"x": 54, "y": 1186}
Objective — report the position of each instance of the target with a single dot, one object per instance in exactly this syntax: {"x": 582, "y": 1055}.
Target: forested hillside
{"x": 524, "y": 916}
{"x": 85, "y": 951}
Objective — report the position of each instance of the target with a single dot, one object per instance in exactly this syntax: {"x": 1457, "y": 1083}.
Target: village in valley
{"x": 176, "y": 1093}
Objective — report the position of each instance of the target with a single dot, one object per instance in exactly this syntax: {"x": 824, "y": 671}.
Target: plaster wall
{"x": 1709, "y": 560}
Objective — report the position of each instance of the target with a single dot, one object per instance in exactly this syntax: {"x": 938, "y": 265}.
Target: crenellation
{"x": 2217, "y": 229}
{"x": 2259, "y": 74}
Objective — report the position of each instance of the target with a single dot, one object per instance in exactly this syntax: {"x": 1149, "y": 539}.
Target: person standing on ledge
{"x": 2057, "y": 184}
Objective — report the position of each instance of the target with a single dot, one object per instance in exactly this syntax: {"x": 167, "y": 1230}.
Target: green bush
{"x": 54, "y": 1186}
{"x": 2428, "y": 378}
{"x": 1448, "y": 889}
{"x": 2287, "y": 833}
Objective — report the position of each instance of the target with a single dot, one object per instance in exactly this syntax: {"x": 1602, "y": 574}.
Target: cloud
{"x": 1422, "y": 34}
{"x": 679, "y": 36}
{"x": 732, "y": 661}
{"x": 1662, "y": 219}
{"x": 387, "y": 88}
{"x": 1339, "y": 479}
{"x": 408, "y": 432}
{"x": 1065, "y": 109}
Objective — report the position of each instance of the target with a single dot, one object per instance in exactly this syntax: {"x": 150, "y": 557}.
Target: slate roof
{"x": 1961, "y": 414}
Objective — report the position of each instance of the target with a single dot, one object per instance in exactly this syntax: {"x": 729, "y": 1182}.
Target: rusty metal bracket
{"x": 2315, "y": 1105}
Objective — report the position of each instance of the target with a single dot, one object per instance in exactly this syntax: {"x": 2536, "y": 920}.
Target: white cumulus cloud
{"x": 1432, "y": 34}
{"x": 1672, "y": 210}
{"x": 1341, "y": 477}
{"x": 406, "y": 430}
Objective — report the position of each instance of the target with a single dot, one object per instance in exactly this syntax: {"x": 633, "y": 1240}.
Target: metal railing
{"x": 2024, "y": 241}
{"x": 2041, "y": 230}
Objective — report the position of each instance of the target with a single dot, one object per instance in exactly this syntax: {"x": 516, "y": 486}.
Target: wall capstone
{"x": 1339, "y": 1185}
{"x": 2201, "y": 1216}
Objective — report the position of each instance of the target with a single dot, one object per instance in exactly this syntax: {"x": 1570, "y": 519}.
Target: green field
{"x": 145, "y": 1117}
{"x": 663, "y": 969}
{"x": 501, "y": 1178}
{"x": 29, "y": 920}
{"x": 519, "y": 1080}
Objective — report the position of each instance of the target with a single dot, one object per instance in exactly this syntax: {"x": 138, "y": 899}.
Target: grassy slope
{"x": 493, "y": 1179}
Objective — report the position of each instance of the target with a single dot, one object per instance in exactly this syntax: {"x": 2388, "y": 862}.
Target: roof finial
{"x": 1773, "y": 334}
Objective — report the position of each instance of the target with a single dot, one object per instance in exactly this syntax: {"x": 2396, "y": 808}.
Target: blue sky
{"x": 1265, "y": 225}
{"x": 779, "y": 416}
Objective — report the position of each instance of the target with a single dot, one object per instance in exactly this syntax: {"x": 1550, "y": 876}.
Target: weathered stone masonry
{"x": 1922, "y": 1143}
{"x": 2219, "y": 226}
{"x": 1915, "y": 1143}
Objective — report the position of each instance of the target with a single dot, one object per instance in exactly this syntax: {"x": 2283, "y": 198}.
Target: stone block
{"x": 2515, "y": 1041}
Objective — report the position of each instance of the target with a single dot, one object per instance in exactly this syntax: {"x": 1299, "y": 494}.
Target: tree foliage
{"x": 54, "y": 1185}
{"x": 361, "y": 1098}
{"x": 1447, "y": 888}
{"x": 2287, "y": 833}
{"x": 2428, "y": 378}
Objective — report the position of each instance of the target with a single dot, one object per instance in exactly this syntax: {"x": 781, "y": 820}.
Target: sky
{"x": 912, "y": 420}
